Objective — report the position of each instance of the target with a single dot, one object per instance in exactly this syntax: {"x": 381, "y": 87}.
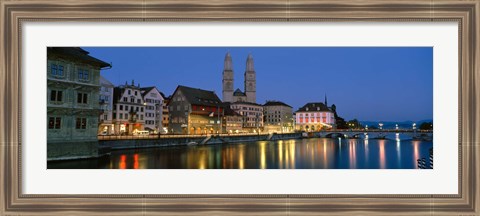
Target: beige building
{"x": 252, "y": 115}
{"x": 128, "y": 109}
{"x": 278, "y": 117}
{"x": 73, "y": 83}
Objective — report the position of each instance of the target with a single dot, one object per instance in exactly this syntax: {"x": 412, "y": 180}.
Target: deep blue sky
{"x": 367, "y": 83}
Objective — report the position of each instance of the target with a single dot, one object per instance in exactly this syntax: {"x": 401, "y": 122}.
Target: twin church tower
{"x": 249, "y": 94}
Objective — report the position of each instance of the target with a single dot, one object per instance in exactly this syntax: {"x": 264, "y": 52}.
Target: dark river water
{"x": 314, "y": 153}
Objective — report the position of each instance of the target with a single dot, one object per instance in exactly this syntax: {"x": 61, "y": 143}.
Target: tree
{"x": 426, "y": 126}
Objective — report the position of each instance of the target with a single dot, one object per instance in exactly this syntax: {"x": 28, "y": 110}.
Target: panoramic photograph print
{"x": 239, "y": 108}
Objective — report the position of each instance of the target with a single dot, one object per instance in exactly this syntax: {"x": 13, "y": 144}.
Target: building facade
{"x": 73, "y": 83}
{"x": 250, "y": 82}
{"x": 195, "y": 111}
{"x": 278, "y": 117}
{"x": 232, "y": 121}
{"x": 128, "y": 109}
{"x": 252, "y": 116}
{"x": 165, "y": 115}
{"x": 153, "y": 109}
{"x": 106, "y": 105}
{"x": 314, "y": 117}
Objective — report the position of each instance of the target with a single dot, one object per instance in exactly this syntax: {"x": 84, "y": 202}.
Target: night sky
{"x": 367, "y": 83}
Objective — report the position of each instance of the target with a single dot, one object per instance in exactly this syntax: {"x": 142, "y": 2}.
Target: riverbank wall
{"x": 105, "y": 145}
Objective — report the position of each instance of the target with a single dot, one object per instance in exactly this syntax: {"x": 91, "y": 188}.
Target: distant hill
{"x": 391, "y": 125}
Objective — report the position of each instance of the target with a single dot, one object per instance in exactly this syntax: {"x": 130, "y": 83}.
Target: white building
{"x": 252, "y": 115}
{"x": 128, "y": 109}
{"x": 106, "y": 104}
{"x": 153, "y": 109}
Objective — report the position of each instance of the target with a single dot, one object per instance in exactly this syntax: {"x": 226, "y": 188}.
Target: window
{"x": 141, "y": 117}
{"x": 126, "y": 116}
{"x": 139, "y": 101}
{"x": 121, "y": 107}
{"x": 132, "y": 100}
{"x": 82, "y": 98}
{"x": 60, "y": 70}
{"x": 121, "y": 116}
{"x": 135, "y": 92}
{"x": 136, "y": 109}
{"x": 124, "y": 99}
{"x": 105, "y": 117}
{"x": 81, "y": 123}
{"x": 54, "y": 122}
{"x": 83, "y": 75}
{"x": 56, "y": 95}
{"x": 126, "y": 108}
{"x": 114, "y": 115}
{"x": 129, "y": 92}
{"x": 53, "y": 69}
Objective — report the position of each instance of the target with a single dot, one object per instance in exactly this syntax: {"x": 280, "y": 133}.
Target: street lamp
{"x": 380, "y": 125}
{"x": 414, "y": 126}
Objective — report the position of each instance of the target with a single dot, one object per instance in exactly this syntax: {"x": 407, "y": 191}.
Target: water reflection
{"x": 315, "y": 153}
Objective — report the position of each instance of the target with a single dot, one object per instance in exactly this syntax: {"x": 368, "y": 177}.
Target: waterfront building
{"x": 252, "y": 116}
{"x": 250, "y": 82}
{"x": 73, "y": 84}
{"x": 232, "y": 121}
{"x": 153, "y": 109}
{"x": 278, "y": 117}
{"x": 314, "y": 117}
{"x": 106, "y": 104}
{"x": 194, "y": 111}
{"x": 128, "y": 109}
{"x": 165, "y": 116}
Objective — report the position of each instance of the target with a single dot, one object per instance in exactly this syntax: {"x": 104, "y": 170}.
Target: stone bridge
{"x": 373, "y": 134}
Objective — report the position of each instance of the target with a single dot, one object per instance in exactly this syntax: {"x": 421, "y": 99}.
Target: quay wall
{"x": 182, "y": 141}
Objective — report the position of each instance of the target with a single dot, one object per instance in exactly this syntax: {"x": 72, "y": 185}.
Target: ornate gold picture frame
{"x": 14, "y": 13}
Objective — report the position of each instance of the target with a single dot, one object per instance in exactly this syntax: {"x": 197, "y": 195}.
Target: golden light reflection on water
{"x": 241, "y": 157}
{"x": 263, "y": 155}
{"x": 280, "y": 154}
{"x": 291, "y": 145}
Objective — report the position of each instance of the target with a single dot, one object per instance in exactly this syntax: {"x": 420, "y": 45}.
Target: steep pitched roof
{"x": 276, "y": 103}
{"x": 314, "y": 107}
{"x": 199, "y": 96}
{"x": 76, "y": 53}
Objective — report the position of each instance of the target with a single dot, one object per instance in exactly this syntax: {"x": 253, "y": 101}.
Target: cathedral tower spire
{"x": 227, "y": 81}
{"x": 250, "y": 80}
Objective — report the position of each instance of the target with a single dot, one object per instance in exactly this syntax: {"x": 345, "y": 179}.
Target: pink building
{"x": 314, "y": 117}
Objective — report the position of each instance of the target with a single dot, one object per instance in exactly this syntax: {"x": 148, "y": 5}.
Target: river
{"x": 314, "y": 153}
